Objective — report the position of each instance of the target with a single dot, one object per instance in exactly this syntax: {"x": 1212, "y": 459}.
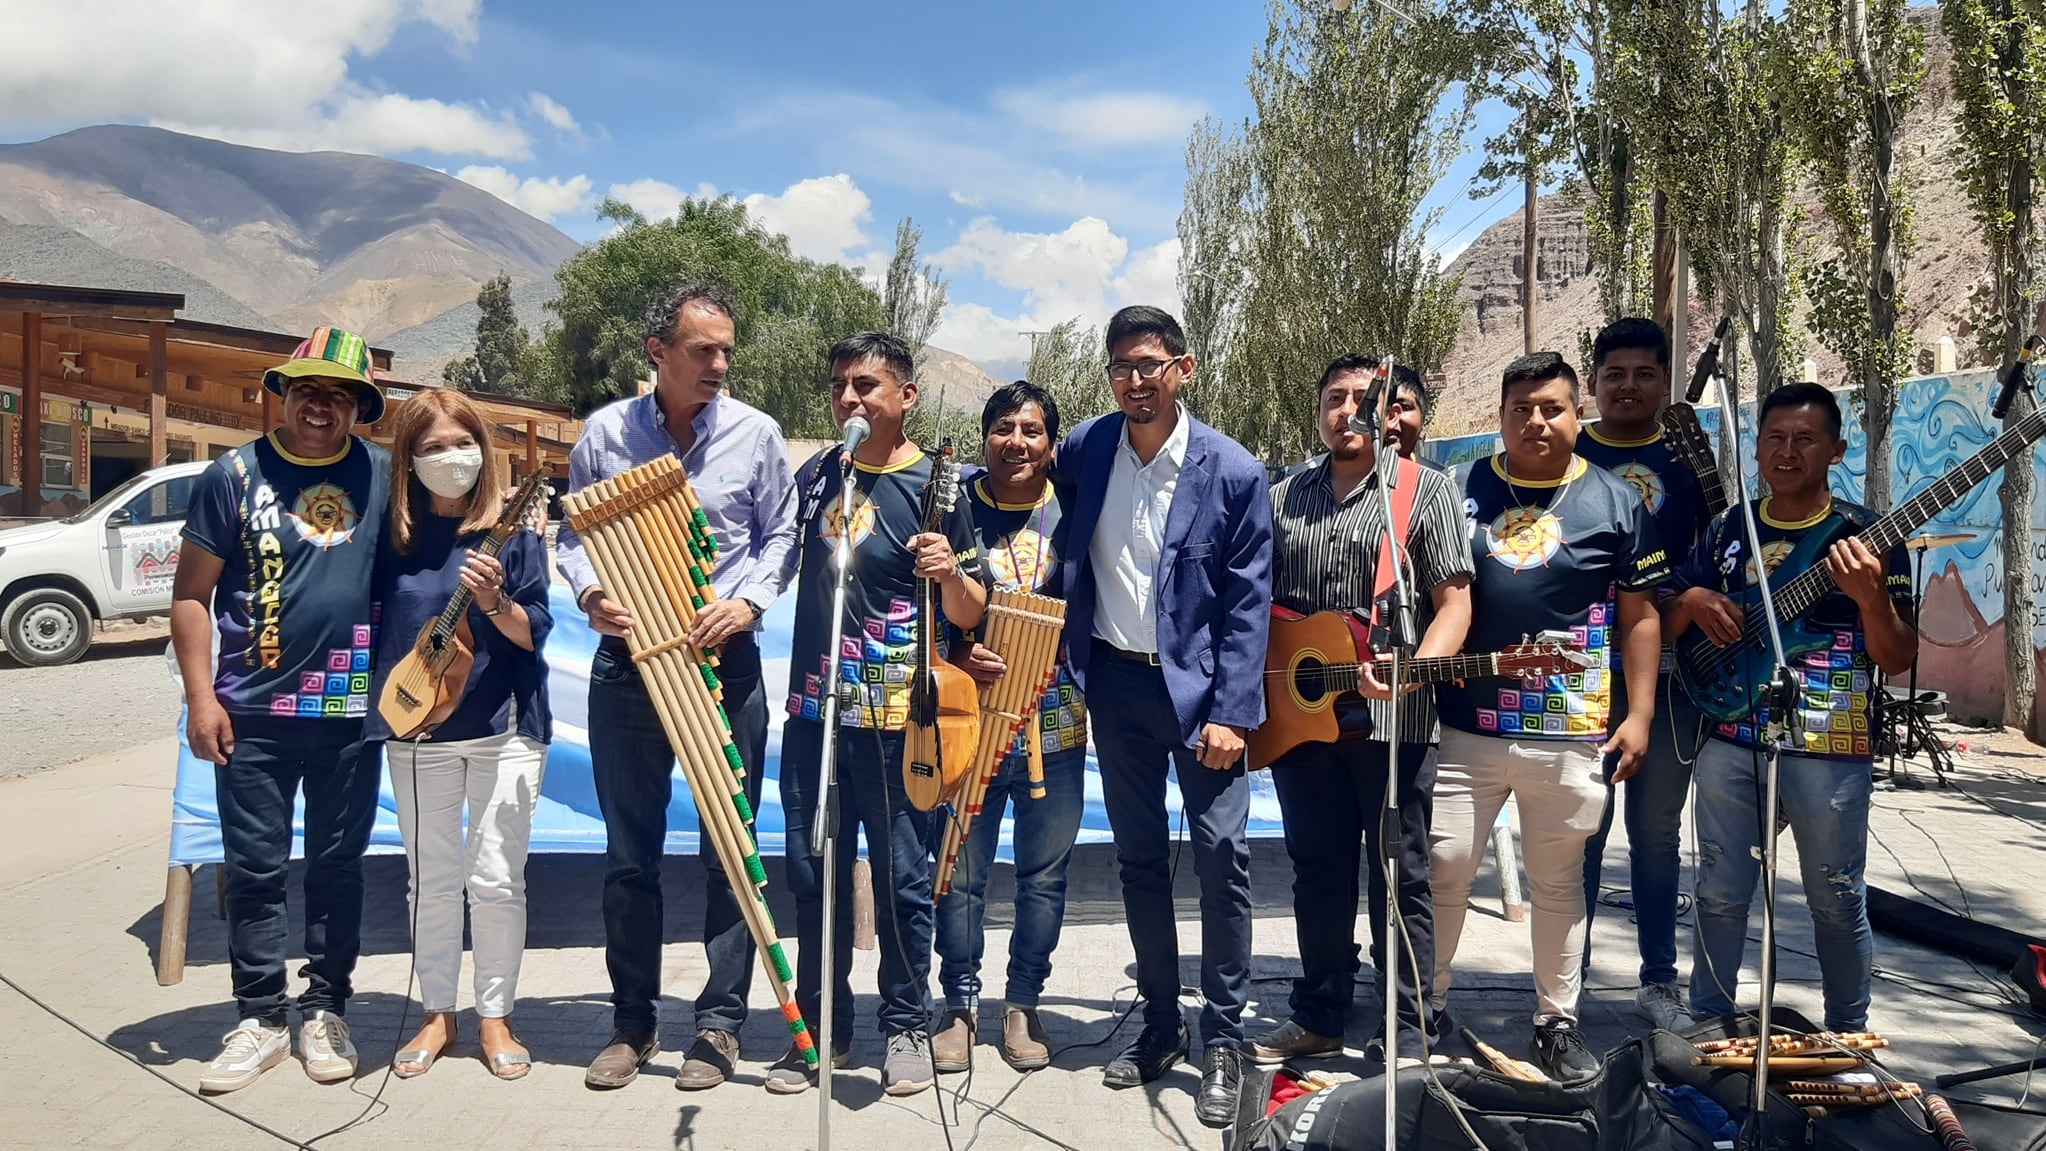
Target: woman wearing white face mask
{"x": 488, "y": 755}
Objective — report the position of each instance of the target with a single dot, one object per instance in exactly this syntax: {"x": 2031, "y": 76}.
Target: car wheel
{"x": 46, "y": 627}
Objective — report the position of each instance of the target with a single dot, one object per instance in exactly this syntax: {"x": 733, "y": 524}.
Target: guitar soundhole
{"x": 1310, "y": 680}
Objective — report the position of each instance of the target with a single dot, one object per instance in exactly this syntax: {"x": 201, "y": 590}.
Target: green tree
{"x": 1851, "y": 72}
{"x": 1705, "y": 129}
{"x": 790, "y": 309}
{"x": 1069, "y": 362}
{"x": 498, "y": 364}
{"x": 1999, "y": 74}
{"x": 1359, "y": 112}
{"x": 914, "y": 293}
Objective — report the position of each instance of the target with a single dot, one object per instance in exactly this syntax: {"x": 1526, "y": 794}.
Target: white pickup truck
{"x": 114, "y": 560}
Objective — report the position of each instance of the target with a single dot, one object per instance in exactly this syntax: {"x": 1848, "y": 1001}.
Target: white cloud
{"x": 1083, "y": 272}
{"x": 977, "y": 159}
{"x": 821, "y": 216}
{"x": 254, "y": 71}
{"x": 656, "y": 199}
{"x": 534, "y": 196}
{"x": 553, "y": 113}
{"x": 1102, "y": 120}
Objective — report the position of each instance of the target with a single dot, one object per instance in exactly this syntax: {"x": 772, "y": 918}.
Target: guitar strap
{"x": 1404, "y": 491}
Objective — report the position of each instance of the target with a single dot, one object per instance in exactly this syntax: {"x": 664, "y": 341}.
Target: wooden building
{"x": 97, "y": 384}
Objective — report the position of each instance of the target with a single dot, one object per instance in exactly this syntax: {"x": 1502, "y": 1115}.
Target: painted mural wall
{"x": 1941, "y": 421}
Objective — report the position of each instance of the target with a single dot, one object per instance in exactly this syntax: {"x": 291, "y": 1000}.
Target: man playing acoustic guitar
{"x": 1826, "y": 779}
{"x": 1327, "y": 525}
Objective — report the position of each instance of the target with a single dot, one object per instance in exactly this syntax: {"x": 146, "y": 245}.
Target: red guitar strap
{"x": 1406, "y": 487}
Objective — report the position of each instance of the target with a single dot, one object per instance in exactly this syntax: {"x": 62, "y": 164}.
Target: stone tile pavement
{"x": 82, "y": 853}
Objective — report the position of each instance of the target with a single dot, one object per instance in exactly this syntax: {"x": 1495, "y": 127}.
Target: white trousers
{"x": 498, "y": 780}
{"x": 1560, "y": 790}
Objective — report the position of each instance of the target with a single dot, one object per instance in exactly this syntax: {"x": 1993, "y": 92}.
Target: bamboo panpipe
{"x": 1780, "y": 1044}
{"x": 1784, "y": 1064}
{"x": 652, "y": 548}
{"x": 1024, "y": 629}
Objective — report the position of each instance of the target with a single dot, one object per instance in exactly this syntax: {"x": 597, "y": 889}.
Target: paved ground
{"x": 81, "y": 879}
{"x": 118, "y": 694}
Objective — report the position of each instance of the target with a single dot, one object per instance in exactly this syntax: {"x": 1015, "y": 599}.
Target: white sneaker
{"x": 324, "y": 1045}
{"x": 1663, "y": 1005}
{"x": 246, "y": 1052}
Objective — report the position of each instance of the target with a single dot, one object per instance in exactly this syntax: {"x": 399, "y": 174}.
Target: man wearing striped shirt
{"x": 1327, "y": 525}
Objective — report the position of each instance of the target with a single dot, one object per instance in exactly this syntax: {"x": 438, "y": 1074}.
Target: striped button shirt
{"x": 1324, "y": 550}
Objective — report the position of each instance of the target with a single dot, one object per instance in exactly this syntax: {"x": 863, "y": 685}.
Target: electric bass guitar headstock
{"x": 1688, "y": 440}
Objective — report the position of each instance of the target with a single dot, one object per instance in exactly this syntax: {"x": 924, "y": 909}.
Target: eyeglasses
{"x": 1148, "y": 370}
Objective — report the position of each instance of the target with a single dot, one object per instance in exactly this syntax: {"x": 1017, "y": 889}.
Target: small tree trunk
{"x": 1528, "y": 293}
{"x": 2020, "y": 670}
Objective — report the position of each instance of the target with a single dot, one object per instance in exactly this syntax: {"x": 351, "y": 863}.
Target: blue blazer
{"x": 1214, "y": 575}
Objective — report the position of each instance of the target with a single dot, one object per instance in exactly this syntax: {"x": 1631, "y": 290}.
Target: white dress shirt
{"x": 1130, "y": 536}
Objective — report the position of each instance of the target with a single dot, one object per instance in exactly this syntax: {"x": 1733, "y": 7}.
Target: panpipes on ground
{"x": 653, "y": 550}
{"x": 1024, "y": 629}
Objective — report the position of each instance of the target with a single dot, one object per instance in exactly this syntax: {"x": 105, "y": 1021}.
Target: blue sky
{"x": 1039, "y": 147}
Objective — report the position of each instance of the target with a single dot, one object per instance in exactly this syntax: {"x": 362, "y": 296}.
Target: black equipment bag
{"x": 1616, "y": 1110}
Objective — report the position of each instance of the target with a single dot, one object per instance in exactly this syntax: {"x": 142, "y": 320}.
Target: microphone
{"x": 1708, "y": 364}
{"x": 2014, "y": 377}
{"x": 857, "y": 430}
{"x": 1364, "y": 421}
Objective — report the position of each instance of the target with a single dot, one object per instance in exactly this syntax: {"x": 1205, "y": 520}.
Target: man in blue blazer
{"x": 1168, "y": 553}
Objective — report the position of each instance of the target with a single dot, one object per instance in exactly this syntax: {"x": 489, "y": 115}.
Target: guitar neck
{"x": 1444, "y": 668}
{"x": 1814, "y": 583}
{"x": 1688, "y": 437}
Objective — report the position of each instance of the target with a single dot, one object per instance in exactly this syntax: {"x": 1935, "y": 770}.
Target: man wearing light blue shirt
{"x": 738, "y": 466}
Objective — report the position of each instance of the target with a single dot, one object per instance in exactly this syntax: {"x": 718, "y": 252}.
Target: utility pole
{"x": 1527, "y": 263}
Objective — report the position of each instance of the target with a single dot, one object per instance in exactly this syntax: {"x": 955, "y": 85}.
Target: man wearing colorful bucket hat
{"x": 277, "y": 554}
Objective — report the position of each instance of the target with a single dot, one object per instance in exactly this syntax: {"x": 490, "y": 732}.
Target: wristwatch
{"x": 758, "y": 611}
{"x": 503, "y": 605}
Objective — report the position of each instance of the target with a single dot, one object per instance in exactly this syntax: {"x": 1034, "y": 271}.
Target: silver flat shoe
{"x": 422, "y": 1057}
{"x": 510, "y": 1064}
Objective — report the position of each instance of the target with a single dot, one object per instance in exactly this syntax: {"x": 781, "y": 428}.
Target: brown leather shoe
{"x": 1023, "y": 1042}
{"x": 620, "y": 1060}
{"x": 951, "y": 1047}
{"x": 709, "y": 1062}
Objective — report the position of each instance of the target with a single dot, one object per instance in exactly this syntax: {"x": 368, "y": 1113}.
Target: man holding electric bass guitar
{"x": 1325, "y": 521}
{"x": 1845, "y": 610}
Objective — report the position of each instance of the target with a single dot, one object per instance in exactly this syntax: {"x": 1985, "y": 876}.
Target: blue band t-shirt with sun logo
{"x": 880, "y": 600}
{"x": 1016, "y": 544}
{"x": 1835, "y": 719}
{"x": 1550, "y": 556}
{"x": 299, "y": 539}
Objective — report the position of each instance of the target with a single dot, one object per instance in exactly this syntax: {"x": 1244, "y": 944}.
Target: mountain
{"x": 1948, "y": 260}
{"x": 368, "y": 243}
{"x": 49, "y": 255}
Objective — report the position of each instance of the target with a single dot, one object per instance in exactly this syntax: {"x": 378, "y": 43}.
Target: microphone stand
{"x": 1783, "y": 695}
{"x": 1399, "y": 625}
{"x": 824, "y": 824}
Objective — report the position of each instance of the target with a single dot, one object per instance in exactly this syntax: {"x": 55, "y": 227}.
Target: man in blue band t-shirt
{"x": 277, "y": 554}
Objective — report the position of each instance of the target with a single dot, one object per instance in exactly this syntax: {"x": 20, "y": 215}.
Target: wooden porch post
{"x": 159, "y": 428}
{"x": 31, "y": 413}
{"x": 269, "y": 409}
{"x": 532, "y": 446}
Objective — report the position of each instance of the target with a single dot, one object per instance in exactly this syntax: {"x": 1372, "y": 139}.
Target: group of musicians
{"x": 1171, "y": 550}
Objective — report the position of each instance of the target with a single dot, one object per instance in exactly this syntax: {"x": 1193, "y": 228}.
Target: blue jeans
{"x": 870, "y": 798}
{"x": 632, "y": 766}
{"x": 1826, "y": 802}
{"x": 1043, "y": 844}
{"x": 1138, "y": 744}
{"x": 273, "y": 759}
{"x": 1654, "y": 798}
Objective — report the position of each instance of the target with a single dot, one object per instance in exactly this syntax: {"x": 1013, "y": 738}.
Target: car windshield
{"x": 111, "y": 499}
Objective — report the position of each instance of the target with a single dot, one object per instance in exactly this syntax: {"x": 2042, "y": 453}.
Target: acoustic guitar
{"x": 1314, "y": 677}
{"x": 944, "y": 702}
{"x": 427, "y": 684}
{"x": 1728, "y": 682}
